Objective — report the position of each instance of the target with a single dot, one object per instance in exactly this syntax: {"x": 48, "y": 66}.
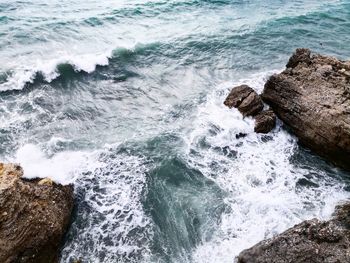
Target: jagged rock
{"x": 34, "y": 215}
{"x": 312, "y": 96}
{"x": 312, "y": 241}
{"x": 245, "y": 99}
{"x": 265, "y": 121}
{"x": 302, "y": 55}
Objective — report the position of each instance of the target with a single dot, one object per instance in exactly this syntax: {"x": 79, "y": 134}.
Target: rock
{"x": 311, "y": 241}
{"x": 33, "y": 217}
{"x": 265, "y": 121}
{"x": 312, "y": 96}
{"x": 301, "y": 55}
{"x": 245, "y": 99}
{"x": 241, "y": 135}
{"x": 45, "y": 181}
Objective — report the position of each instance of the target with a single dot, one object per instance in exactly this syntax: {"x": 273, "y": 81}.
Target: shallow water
{"x": 125, "y": 100}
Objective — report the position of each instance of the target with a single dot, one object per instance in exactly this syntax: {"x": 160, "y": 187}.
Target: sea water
{"x": 125, "y": 100}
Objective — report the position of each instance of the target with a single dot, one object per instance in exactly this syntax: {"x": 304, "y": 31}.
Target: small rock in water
{"x": 265, "y": 121}
{"x": 240, "y": 135}
{"x": 245, "y": 99}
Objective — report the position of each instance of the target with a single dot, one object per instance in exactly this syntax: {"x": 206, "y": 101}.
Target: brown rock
{"x": 245, "y": 99}
{"x": 33, "y": 217}
{"x": 45, "y": 181}
{"x": 265, "y": 121}
{"x": 312, "y": 96}
{"x": 312, "y": 241}
{"x": 301, "y": 55}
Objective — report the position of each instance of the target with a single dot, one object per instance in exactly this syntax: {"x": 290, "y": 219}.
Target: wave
{"x": 49, "y": 70}
{"x": 195, "y": 46}
{"x": 248, "y": 32}
{"x": 63, "y": 167}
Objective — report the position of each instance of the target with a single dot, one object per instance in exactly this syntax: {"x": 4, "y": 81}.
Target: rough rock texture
{"x": 34, "y": 215}
{"x": 245, "y": 99}
{"x": 312, "y": 96}
{"x": 312, "y": 241}
{"x": 265, "y": 121}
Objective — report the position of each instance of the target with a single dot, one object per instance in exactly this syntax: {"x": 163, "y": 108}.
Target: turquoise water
{"x": 124, "y": 99}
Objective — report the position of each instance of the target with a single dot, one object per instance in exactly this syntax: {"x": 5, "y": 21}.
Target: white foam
{"x": 261, "y": 183}
{"x": 48, "y": 68}
{"x": 64, "y": 167}
{"x": 112, "y": 189}
{"x": 116, "y": 227}
{"x": 91, "y": 47}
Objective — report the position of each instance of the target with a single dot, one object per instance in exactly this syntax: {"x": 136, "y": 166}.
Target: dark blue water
{"x": 124, "y": 99}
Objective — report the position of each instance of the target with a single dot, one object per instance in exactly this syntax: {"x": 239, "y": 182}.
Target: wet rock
{"x": 245, "y": 99}
{"x": 265, "y": 121}
{"x": 312, "y": 96}
{"x": 311, "y": 241}
{"x": 240, "y": 135}
{"x": 34, "y": 215}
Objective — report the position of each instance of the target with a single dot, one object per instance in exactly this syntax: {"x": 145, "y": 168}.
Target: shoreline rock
{"x": 312, "y": 97}
{"x": 310, "y": 241}
{"x": 34, "y": 215}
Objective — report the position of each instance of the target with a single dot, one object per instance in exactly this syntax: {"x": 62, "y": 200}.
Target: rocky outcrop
{"x": 245, "y": 99}
{"x": 312, "y": 96}
{"x": 265, "y": 121}
{"x": 34, "y": 215}
{"x": 312, "y": 241}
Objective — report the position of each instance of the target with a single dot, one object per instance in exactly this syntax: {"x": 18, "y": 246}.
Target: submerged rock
{"x": 245, "y": 99}
{"x": 34, "y": 215}
{"x": 312, "y": 96}
{"x": 311, "y": 241}
{"x": 265, "y": 121}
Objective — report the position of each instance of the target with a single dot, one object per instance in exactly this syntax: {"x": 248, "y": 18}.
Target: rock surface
{"x": 34, "y": 215}
{"x": 312, "y": 96}
{"x": 245, "y": 99}
{"x": 265, "y": 121}
{"x": 312, "y": 241}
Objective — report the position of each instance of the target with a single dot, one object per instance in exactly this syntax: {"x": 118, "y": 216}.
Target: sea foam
{"x": 262, "y": 183}
{"x": 22, "y": 75}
